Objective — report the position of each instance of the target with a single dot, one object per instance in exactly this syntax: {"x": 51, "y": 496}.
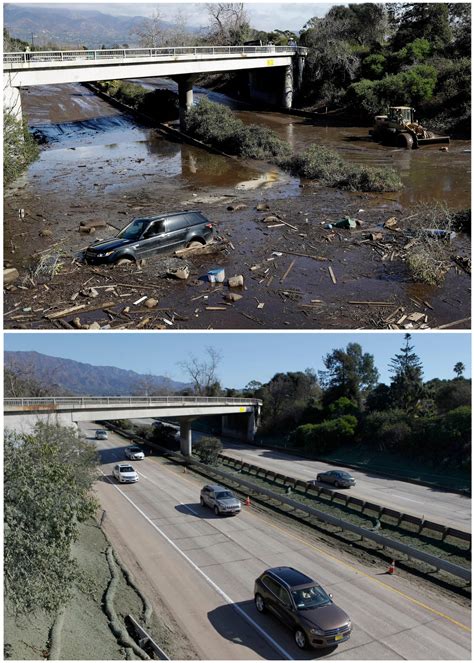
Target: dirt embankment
{"x": 93, "y": 625}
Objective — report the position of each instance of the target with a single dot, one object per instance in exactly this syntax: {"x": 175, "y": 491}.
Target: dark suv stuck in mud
{"x": 147, "y": 236}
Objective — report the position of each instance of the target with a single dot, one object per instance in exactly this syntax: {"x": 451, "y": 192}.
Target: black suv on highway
{"x": 144, "y": 237}
{"x": 302, "y": 605}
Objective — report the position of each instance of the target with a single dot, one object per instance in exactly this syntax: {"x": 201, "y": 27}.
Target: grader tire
{"x": 405, "y": 140}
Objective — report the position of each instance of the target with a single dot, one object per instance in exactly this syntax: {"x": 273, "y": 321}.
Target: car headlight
{"x": 349, "y": 624}
{"x": 316, "y": 631}
{"x": 105, "y": 254}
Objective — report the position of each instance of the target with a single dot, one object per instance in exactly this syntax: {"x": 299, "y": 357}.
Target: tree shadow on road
{"x": 198, "y": 511}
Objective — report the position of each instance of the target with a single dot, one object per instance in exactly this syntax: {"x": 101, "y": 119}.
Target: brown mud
{"x": 100, "y": 164}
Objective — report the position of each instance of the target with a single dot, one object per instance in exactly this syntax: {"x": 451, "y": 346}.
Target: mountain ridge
{"x": 86, "y": 379}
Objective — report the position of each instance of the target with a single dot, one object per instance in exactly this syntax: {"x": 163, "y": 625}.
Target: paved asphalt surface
{"x": 440, "y": 506}
{"x": 203, "y": 567}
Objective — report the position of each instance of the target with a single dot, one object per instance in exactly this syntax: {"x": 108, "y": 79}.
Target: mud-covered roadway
{"x": 100, "y": 164}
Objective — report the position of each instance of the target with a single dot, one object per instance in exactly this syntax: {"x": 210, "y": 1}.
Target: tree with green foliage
{"x": 428, "y": 20}
{"x": 407, "y": 382}
{"x": 350, "y": 373}
{"x": 19, "y": 147}
{"x": 208, "y": 450}
{"x": 459, "y": 369}
{"x": 48, "y": 476}
{"x": 326, "y": 436}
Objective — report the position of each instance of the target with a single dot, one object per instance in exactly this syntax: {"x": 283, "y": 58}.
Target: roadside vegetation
{"x": 345, "y": 409}
{"x": 216, "y": 125}
{"x": 19, "y": 148}
{"x": 48, "y": 479}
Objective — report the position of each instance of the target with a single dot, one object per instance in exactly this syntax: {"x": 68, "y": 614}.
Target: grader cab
{"x": 400, "y": 128}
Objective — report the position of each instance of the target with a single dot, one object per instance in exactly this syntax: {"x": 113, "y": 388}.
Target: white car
{"x": 125, "y": 473}
{"x": 101, "y": 434}
{"x": 134, "y": 453}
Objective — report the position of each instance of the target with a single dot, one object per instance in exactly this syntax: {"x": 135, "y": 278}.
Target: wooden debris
{"x": 216, "y": 308}
{"x": 287, "y": 271}
{"x": 416, "y": 317}
{"x": 81, "y": 307}
{"x": 304, "y": 255}
{"x": 143, "y": 323}
{"x": 331, "y": 274}
{"x": 453, "y": 323}
{"x": 139, "y": 301}
{"x": 371, "y": 303}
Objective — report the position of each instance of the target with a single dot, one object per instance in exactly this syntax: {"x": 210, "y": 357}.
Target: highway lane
{"x": 204, "y": 568}
{"x": 444, "y": 507}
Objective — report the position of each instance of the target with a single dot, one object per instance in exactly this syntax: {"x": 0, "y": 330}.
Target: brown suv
{"x": 302, "y": 605}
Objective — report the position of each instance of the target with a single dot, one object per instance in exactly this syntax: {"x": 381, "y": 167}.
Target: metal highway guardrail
{"x": 413, "y": 553}
{"x": 100, "y": 55}
{"x": 86, "y": 401}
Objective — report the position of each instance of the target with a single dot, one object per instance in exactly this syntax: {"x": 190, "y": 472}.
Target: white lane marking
{"x": 216, "y": 587}
{"x": 399, "y": 497}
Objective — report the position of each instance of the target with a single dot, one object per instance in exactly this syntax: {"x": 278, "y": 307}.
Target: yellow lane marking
{"x": 351, "y": 567}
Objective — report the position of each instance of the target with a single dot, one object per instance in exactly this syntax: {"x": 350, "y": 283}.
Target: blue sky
{"x": 245, "y": 356}
{"x": 265, "y": 15}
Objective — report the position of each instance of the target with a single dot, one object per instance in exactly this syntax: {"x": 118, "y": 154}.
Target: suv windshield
{"x": 224, "y": 495}
{"x": 134, "y": 230}
{"x": 134, "y": 449}
{"x": 126, "y": 468}
{"x": 310, "y": 597}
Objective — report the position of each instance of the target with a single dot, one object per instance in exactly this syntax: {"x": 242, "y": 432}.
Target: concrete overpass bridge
{"x": 282, "y": 69}
{"x": 240, "y": 416}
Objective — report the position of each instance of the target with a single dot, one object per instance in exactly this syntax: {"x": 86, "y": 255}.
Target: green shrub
{"x": 330, "y": 169}
{"x": 254, "y": 142}
{"x": 326, "y": 436}
{"x": 208, "y": 450}
{"x": 19, "y": 148}
{"x": 213, "y": 124}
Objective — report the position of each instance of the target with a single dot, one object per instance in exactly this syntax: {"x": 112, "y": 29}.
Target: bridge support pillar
{"x": 185, "y": 436}
{"x": 12, "y": 101}
{"x": 185, "y": 94}
{"x": 240, "y": 427}
{"x": 287, "y": 98}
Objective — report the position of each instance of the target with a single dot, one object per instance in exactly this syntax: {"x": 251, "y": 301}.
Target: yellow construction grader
{"x": 399, "y": 128}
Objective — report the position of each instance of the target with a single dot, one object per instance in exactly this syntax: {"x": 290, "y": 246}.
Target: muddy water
{"x": 428, "y": 174}
{"x": 100, "y": 163}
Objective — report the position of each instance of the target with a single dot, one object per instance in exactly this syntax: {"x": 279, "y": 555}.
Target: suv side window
{"x": 176, "y": 223}
{"x": 284, "y": 597}
{"x": 272, "y": 585}
{"x": 193, "y": 218}
{"x": 154, "y": 228}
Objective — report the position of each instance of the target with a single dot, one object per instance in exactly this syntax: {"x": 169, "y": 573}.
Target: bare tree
{"x": 229, "y": 23}
{"x": 203, "y": 373}
{"x": 151, "y": 31}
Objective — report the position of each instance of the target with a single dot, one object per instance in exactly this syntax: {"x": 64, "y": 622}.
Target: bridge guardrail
{"x": 80, "y": 401}
{"x": 149, "y": 53}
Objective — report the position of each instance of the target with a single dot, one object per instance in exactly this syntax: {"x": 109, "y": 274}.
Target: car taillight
{"x": 209, "y": 225}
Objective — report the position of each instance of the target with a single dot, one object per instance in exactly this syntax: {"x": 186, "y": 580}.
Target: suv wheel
{"x": 201, "y": 501}
{"x": 301, "y": 639}
{"x": 123, "y": 261}
{"x": 259, "y": 603}
{"x": 216, "y": 511}
{"x": 194, "y": 244}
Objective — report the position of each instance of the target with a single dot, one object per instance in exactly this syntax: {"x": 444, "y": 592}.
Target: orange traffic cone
{"x": 247, "y": 501}
{"x": 391, "y": 568}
